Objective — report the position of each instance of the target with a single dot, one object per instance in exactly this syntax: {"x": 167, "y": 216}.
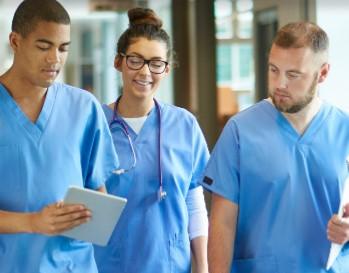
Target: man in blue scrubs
{"x": 51, "y": 136}
{"x": 278, "y": 169}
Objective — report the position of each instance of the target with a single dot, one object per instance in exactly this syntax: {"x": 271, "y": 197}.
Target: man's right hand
{"x": 59, "y": 217}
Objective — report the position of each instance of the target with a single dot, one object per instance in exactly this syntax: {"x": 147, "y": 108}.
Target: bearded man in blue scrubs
{"x": 279, "y": 167}
{"x": 51, "y": 136}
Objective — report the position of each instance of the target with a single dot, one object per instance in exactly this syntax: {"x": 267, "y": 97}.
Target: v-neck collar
{"x": 35, "y": 130}
{"x": 150, "y": 123}
{"x": 312, "y": 128}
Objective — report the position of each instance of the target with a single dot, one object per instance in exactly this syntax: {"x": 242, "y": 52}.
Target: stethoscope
{"x": 117, "y": 120}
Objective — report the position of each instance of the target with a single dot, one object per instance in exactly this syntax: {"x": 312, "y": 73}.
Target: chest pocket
{"x": 12, "y": 186}
{"x": 177, "y": 167}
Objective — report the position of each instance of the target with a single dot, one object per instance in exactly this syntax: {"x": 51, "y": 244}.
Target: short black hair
{"x": 31, "y": 12}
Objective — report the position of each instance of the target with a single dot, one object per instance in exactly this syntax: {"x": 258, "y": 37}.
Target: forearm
{"x": 199, "y": 254}
{"x": 221, "y": 234}
{"x": 15, "y": 222}
{"x": 51, "y": 220}
{"x": 220, "y": 249}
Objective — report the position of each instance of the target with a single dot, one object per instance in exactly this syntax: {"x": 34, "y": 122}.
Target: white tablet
{"x": 105, "y": 208}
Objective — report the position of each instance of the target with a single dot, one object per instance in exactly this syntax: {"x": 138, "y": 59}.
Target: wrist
{"x": 202, "y": 269}
{"x": 29, "y": 223}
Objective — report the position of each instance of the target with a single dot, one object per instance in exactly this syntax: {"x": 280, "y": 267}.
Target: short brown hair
{"x": 302, "y": 34}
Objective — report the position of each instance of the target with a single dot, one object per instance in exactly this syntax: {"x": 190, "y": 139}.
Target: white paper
{"x": 336, "y": 248}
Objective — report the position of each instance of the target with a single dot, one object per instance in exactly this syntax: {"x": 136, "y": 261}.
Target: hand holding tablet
{"x": 105, "y": 209}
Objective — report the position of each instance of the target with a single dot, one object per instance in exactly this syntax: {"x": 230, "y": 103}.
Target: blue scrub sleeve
{"x": 222, "y": 172}
{"x": 102, "y": 158}
{"x": 200, "y": 155}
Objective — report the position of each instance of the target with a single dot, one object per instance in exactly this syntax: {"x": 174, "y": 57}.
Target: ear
{"x": 325, "y": 68}
{"x": 118, "y": 62}
{"x": 14, "y": 39}
{"x": 167, "y": 70}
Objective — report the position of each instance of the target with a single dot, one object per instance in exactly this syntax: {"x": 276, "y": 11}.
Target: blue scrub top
{"x": 286, "y": 186}
{"x": 152, "y": 236}
{"x": 69, "y": 144}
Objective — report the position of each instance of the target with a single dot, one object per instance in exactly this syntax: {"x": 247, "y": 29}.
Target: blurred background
{"x": 221, "y": 47}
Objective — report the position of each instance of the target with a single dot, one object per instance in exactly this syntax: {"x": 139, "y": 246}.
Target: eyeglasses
{"x": 136, "y": 63}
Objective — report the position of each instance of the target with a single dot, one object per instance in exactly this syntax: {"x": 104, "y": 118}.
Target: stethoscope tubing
{"x": 117, "y": 119}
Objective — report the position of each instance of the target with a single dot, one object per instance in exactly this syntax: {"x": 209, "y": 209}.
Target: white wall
{"x": 79, "y": 13}
{"x": 333, "y": 17}
{"x": 165, "y": 92}
{"x": 7, "y": 10}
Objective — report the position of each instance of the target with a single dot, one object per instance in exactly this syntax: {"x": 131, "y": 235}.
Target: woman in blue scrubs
{"x": 162, "y": 153}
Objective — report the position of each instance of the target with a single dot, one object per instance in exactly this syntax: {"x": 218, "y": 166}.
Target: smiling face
{"x": 293, "y": 77}
{"x": 39, "y": 56}
{"x": 142, "y": 84}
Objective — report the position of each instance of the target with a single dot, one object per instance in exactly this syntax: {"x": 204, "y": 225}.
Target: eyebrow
{"x": 288, "y": 71}
{"x": 50, "y": 43}
{"x": 140, "y": 55}
{"x": 294, "y": 71}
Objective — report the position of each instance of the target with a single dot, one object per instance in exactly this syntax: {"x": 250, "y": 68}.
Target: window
{"x": 235, "y": 66}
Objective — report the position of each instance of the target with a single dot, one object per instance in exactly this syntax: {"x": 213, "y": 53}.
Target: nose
{"x": 53, "y": 56}
{"x": 281, "y": 81}
{"x": 145, "y": 69}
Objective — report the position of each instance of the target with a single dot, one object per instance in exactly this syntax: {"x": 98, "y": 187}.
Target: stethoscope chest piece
{"x": 161, "y": 194}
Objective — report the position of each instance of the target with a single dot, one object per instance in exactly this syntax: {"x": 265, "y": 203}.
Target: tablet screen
{"x": 105, "y": 209}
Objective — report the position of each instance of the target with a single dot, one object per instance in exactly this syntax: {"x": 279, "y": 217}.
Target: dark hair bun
{"x": 143, "y": 16}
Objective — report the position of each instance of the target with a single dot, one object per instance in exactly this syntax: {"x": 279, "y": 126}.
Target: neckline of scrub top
{"x": 35, "y": 130}
{"x": 149, "y": 122}
{"x": 136, "y": 123}
{"x": 309, "y": 132}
